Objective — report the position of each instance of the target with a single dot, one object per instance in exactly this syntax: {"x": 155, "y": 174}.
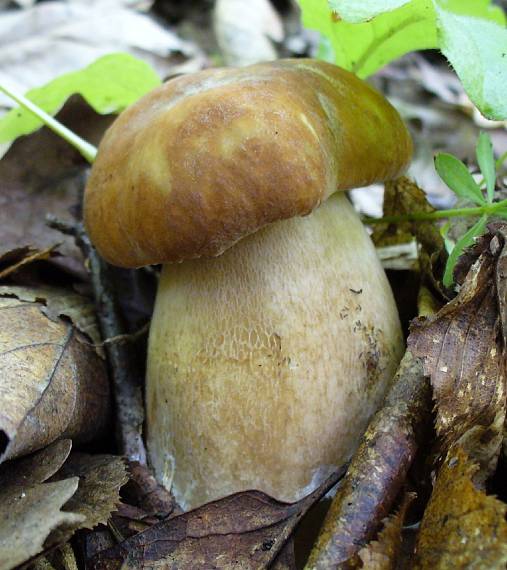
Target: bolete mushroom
{"x": 268, "y": 357}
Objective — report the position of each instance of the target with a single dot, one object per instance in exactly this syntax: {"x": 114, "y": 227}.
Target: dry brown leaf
{"x": 402, "y": 197}
{"x": 42, "y": 564}
{"x": 64, "y": 558}
{"x": 60, "y": 558}
{"x": 463, "y": 352}
{"x": 37, "y": 467}
{"x": 100, "y": 480}
{"x": 28, "y": 515}
{"x": 58, "y": 302}
{"x": 42, "y": 174}
{"x": 462, "y": 527}
{"x": 384, "y": 553}
{"x": 52, "y": 382}
{"x": 30, "y": 257}
{"x": 244, "y": 530}
{"x": 92, "y": 501}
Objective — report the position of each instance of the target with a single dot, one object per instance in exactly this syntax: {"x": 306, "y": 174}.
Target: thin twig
{"x": 127, "y": 391}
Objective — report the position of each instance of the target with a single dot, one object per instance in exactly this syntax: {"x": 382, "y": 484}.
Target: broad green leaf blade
{"x": 109, "y": 85}
{"x": 486, "y": 162}
{"x": 88, "y": 151}
{"x": 389, "y": 33}
{"x": 366, "y": 47}
{"x": 355, "y": 12}
{"x": 456, "y": 175}
{"x": 466, "y": 241}
{"x": 477, "y": 49}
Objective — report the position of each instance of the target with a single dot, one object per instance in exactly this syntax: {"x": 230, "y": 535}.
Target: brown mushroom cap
{"x": 209, "y": 158}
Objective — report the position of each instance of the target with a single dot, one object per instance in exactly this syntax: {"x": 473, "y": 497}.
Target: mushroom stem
{"x": 266, "y": 363}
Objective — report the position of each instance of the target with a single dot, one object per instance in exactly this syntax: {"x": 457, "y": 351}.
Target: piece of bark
{"x": 377, "y": 471}
{"x": 145, "y": 492}
{"x": 384, "y": 552}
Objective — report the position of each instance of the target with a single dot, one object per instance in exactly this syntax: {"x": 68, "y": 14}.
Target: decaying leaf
{"x": 377, "y": 471}
{"x": 462, "y": 527}
{"x": 51, "y": 39}
{"x": 37, "y": 467}
{"x": 62, "y": 557}
{"x": 29, "y": 514}
{"x": 42, "y": 174}
{"x": 464, "y": 354}
{"x": 384, "y": 553}
{"x": 57, "y": 302}
{"x": 244, "y": 530}
{"x": 100, "y": 480}
{"x": 53, "y": 383}
{"x": 402, "y": 197}
{"x": 147, "y": 494}
{"x": 89, "y": 488}
{"x": 18, "y": 261}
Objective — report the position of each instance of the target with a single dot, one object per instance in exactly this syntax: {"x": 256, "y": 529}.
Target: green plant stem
{"x": 501, "y": 160}
{"x": 87, "y": 150}
{"x": 439, "y": 214}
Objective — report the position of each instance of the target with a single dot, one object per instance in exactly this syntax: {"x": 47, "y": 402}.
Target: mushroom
{"x": 274, "y": 333}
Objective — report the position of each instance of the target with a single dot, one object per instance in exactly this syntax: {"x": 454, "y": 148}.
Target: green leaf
{"x": 366, "y": 47}
{"x": 502, "y": 213}
{"x": 355, "y": 12}
{"x": 486, "y": 162}
{"x": 477, "y": 49}
{"x": 109, "y": 85}
{"x": 456, "y": 175}
{"x": 466, "y": 241}
{"x": 388, "y": 28}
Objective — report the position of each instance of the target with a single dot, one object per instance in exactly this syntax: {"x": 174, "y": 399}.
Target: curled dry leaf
{"x": 462, "y": 527}
{"x": 21, "y": 257}
{"x": 57, "y": 302}
{"x": 53, "y": 383}
{"x": 377, "y": 471}
{"x": 245, "y": 530}
{"x": 37, "y": 467}
{"x": 402, "y": 197}
{"x": 463, "y": 349}
{"x": 384, "y": 553}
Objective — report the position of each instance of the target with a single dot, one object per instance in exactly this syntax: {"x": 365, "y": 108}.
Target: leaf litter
{"x": 53, "y": 383}
{"x": 462, "y": 527}
{"x": 244, "y": 530}
{"x": 45, "y": 497}
{"x": 463, "y": 349}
